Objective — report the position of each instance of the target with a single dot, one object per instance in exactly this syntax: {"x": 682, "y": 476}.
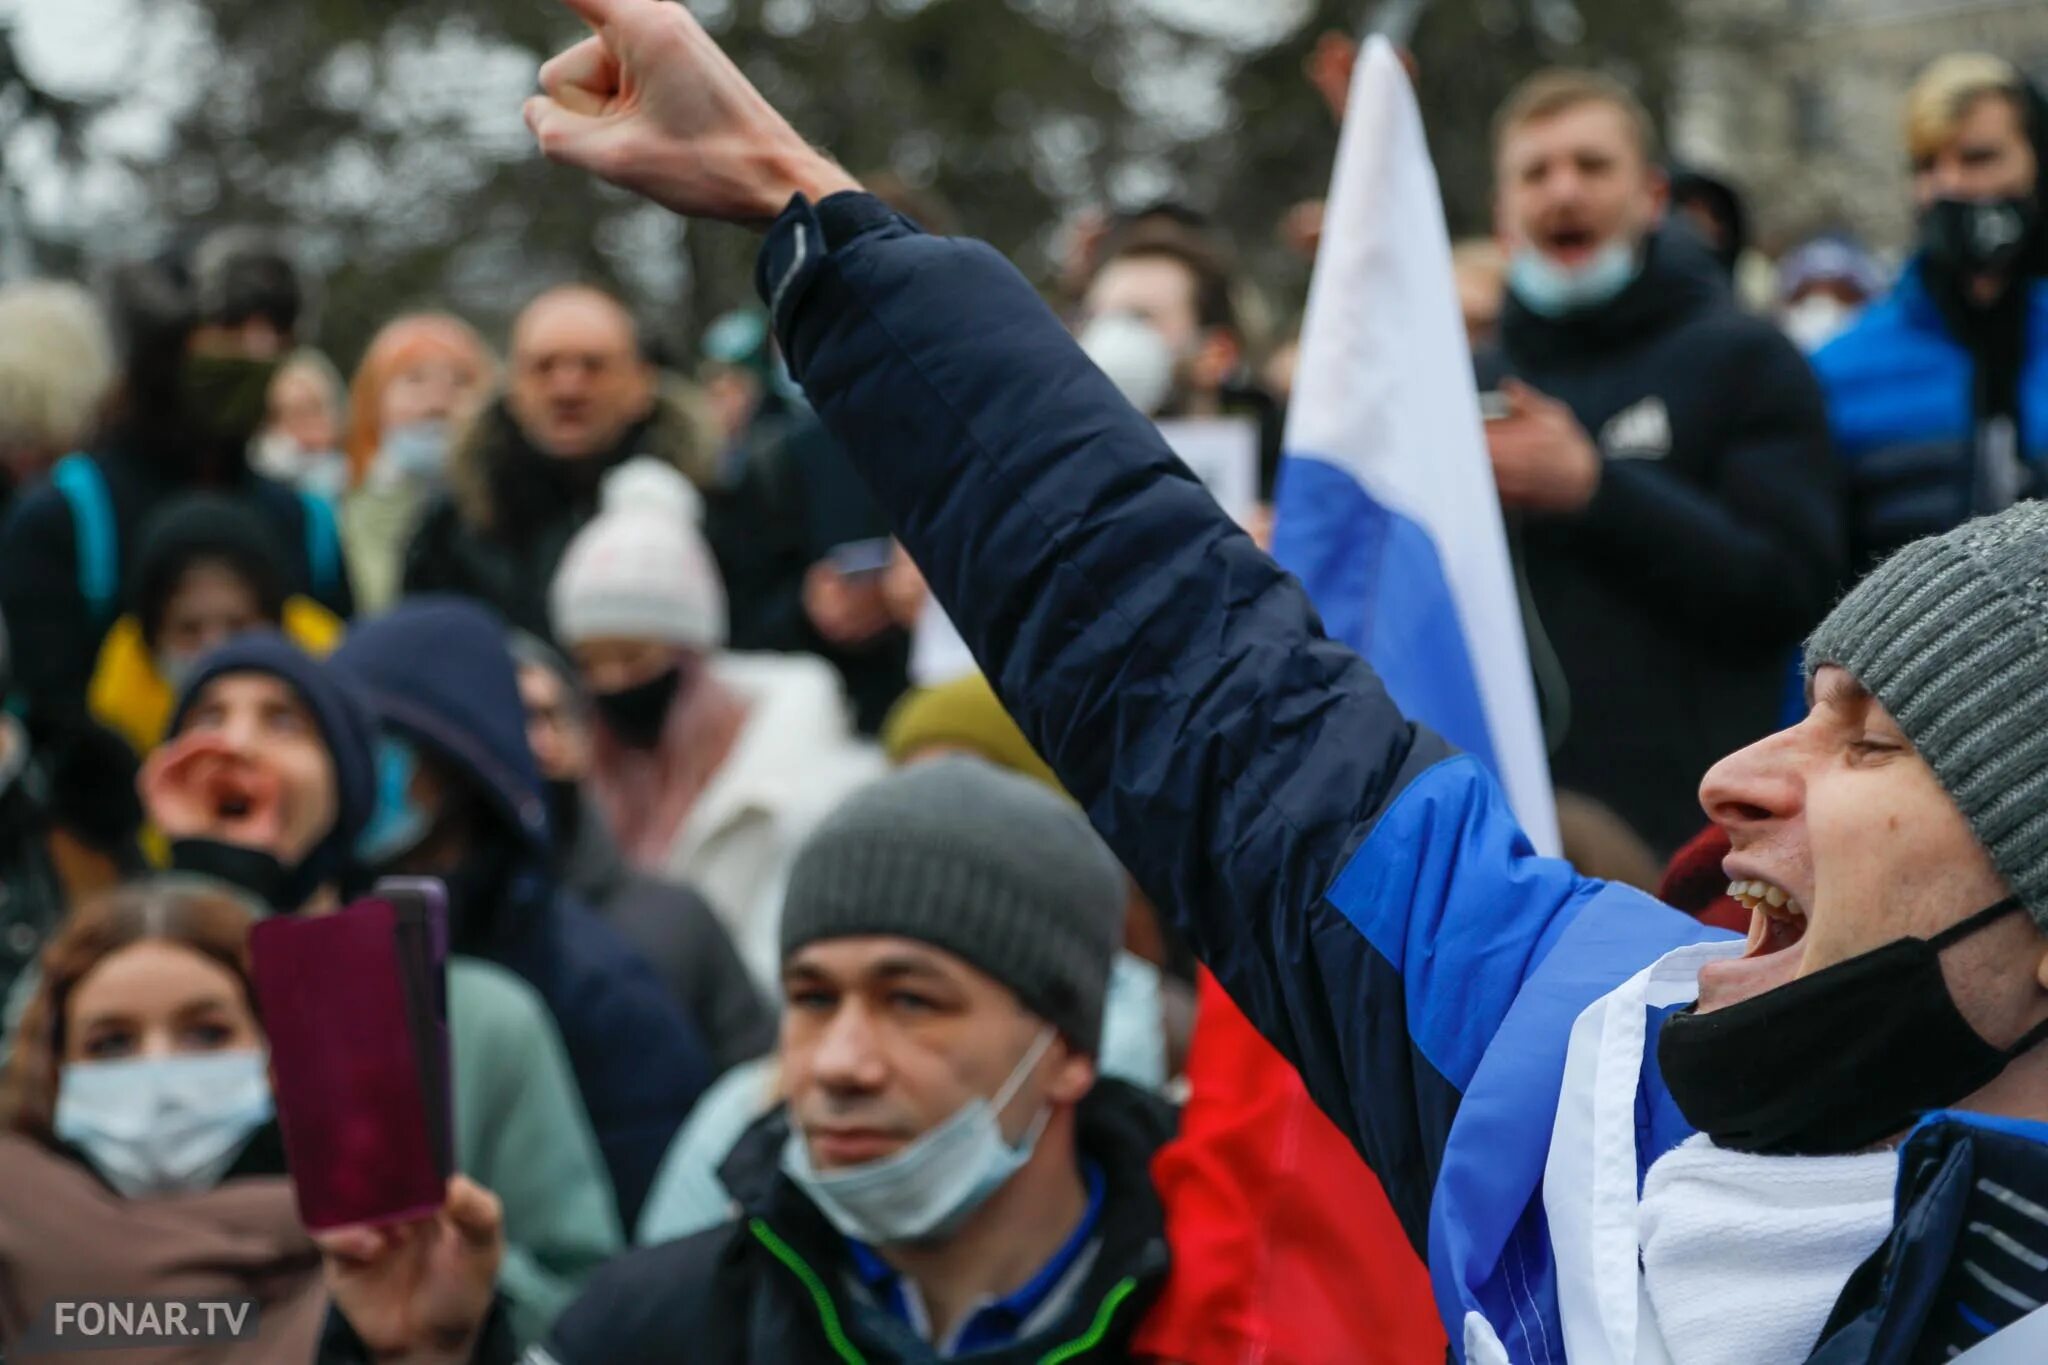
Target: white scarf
{"x": 1727, "y": 1259}
{"x": 1744, "y": 1256}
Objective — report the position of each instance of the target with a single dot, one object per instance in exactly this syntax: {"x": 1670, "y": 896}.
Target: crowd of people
{"x": 921, "y": 887}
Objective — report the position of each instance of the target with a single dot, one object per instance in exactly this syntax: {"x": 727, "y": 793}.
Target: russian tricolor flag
{"x": 1387, "y": 510}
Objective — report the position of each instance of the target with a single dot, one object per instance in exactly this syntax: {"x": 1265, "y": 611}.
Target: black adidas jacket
{"x": 1673, "y": 603}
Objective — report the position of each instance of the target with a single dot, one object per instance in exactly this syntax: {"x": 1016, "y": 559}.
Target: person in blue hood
{"x": 243, "y": 792}
{"x": 1617, "y": 1136}
{"x": 267, "y": 783}
{"x": 461, "y": 799}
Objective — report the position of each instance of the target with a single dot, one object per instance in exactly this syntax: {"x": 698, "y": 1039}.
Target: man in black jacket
{"x": 1663, "y": 458}
{"x": 582, "y": 398}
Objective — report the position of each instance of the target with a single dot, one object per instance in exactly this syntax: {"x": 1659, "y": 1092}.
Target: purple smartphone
{"x": 346, "y": 1068}
{"x": 421, "y": 904}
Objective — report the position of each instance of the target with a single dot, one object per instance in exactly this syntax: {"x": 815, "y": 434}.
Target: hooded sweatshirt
{"x": 1673, "y": 601}
{"x": 519, "y": 1127}
{"x": 345, "y": 729}
{"x": 436, "y": 671}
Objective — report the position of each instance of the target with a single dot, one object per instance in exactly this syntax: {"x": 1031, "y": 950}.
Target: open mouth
{"x": 1777, "y": 920}
{"x": 1569, "y": 243}
{"x": 1772, "y": 956}
{"x": 246, "y": 806}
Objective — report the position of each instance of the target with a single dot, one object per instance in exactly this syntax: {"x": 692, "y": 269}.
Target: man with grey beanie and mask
{"x": 948, "y": 1176}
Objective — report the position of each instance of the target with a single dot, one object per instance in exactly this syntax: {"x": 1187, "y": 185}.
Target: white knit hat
{"x": 639, "y": 569}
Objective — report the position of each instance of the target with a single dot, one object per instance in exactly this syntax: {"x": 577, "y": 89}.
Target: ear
{"x": 1218, "y": 358}
{"x": 1073, "y": 1076}
{"x": 1657, "y": 185}
{"x": 647, "y": 377}
{"x": 2041, "y": 963}
{"x": 1504, "y": 234}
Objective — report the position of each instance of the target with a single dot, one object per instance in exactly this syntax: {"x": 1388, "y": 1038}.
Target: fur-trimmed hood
{"x": 679, "y": 429}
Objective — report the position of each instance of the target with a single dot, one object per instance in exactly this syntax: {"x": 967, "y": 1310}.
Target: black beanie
{"x": 202, "y": 526}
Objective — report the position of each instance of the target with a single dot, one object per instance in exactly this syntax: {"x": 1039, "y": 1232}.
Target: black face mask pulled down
{"x": 637, "y": 714}
{"x": 252, "y": 869}
{"x": 1838, "y": 1061}
{"x": 1964, "y": 242}
{"x": 1969, "y": 238}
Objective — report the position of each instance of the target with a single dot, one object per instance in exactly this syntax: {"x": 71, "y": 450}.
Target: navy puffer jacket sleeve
{"x": 1173, "y": 675}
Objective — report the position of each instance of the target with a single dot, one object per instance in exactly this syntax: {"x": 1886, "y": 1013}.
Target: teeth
{"x": 1752, "y": 895}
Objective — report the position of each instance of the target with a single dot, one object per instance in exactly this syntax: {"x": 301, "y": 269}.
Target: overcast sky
{"x": 150, "y": 55}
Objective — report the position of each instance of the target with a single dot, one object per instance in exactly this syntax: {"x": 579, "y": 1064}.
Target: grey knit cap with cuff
{"x": 1951, "y": 635}
{"x": 991, "y": 867}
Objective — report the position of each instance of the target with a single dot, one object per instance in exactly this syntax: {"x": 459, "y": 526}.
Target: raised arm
{"x": 1361, "y": 892}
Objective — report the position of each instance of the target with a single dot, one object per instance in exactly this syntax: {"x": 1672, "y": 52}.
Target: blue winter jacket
{"x": 437, "y": 670}
{"x": 1359, "y": 888}
{"x": 1900, "y": 393}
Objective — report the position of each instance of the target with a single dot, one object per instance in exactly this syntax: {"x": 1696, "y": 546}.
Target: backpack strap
{"x": 84, "y": 488}
{"x": 323, "y": 545}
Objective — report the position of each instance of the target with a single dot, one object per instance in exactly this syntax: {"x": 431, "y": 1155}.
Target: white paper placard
{"x": 1223, "y": 452}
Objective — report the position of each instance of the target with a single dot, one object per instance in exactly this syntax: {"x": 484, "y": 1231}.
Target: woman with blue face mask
{"x": 140, "y": 1156}
{"x": 422, "y": 378}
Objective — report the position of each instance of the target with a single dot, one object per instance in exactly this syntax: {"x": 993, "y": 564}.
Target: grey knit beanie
{"x": 990, "y": 866}
{"x": 1951, "y": 635}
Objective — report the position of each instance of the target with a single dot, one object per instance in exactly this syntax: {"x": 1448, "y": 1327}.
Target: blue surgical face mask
{"x": 176, "y": 669}
{"x": 929, "y": 1188}
{"x": 399, "y": 822}
{"x": 417, "y": 450}
{"x": 156, "y": 1126}
{"x": 1551, "y": 290}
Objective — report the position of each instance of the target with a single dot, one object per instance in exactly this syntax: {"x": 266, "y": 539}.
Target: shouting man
{"x": 1619, "y": 1136}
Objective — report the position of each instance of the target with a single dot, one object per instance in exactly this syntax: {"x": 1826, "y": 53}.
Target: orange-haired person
{"x": 423, "y": 375}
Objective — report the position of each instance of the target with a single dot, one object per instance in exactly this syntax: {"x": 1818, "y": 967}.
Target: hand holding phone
{"x": 419, "y": 1290}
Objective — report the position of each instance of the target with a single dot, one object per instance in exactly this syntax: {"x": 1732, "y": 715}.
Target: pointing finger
{"x": 597, "y": 13}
